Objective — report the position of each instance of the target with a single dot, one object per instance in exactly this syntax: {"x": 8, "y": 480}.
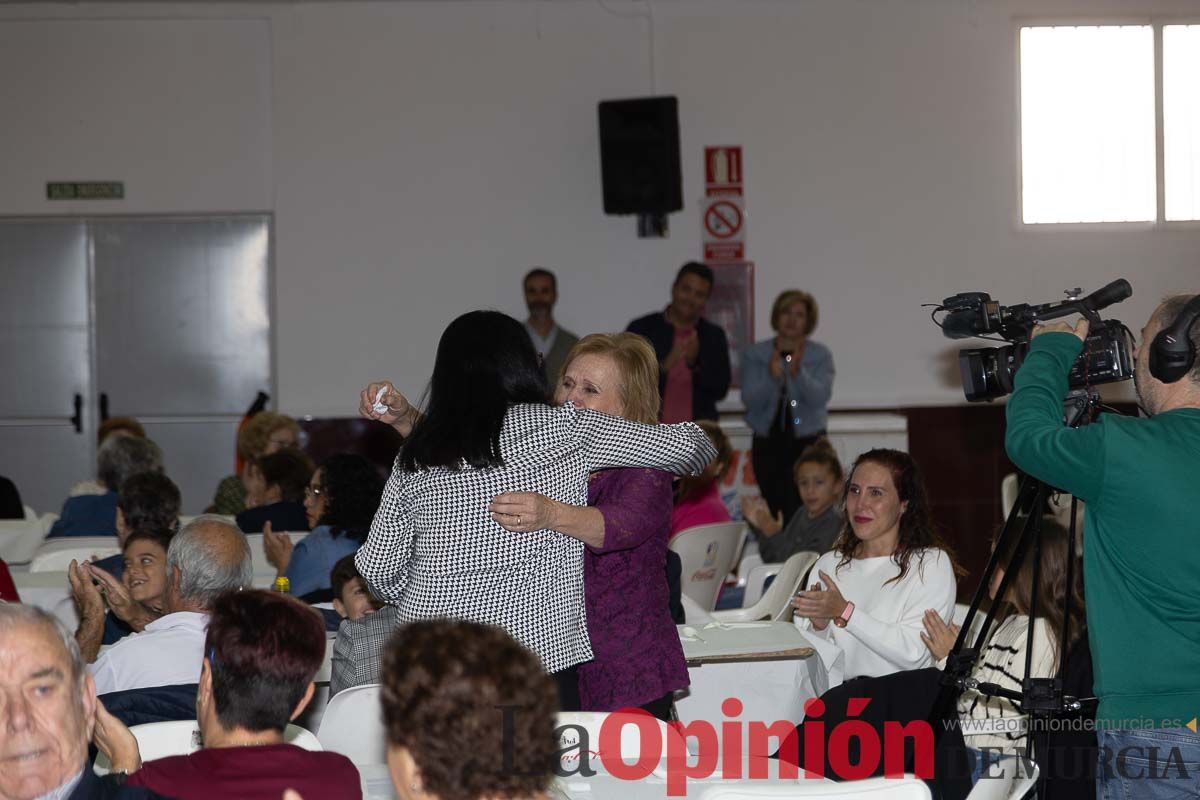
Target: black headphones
{"x": 1172, "y": 353}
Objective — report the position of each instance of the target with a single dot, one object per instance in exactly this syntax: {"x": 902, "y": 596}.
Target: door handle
{"x": 103, "y": 406}
{"x": 77, "y": 420}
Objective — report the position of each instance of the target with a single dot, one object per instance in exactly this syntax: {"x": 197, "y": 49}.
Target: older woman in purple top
{"x": 638, "y": 657}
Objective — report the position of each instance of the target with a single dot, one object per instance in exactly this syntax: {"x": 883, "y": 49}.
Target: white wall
{"x": 419, "y": 157}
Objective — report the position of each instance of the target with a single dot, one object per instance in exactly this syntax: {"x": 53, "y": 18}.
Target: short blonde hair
{"x": 256, "y": 433}
{"x": 637, "y": 366}
{"x": 789, "y": 298}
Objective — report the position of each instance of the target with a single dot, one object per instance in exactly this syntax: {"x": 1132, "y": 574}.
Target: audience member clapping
{"x": 266, "y": 432}
{"x": 275, "y": 487}
{"x": 352, "y": 599}
{"x": 147, "y": 508}
{"x": 816, "y": 525}
{"x": 340, "y": 501}
{"x": 447, "y": 687}
{"x": 124, "y": 605}
{"x": 47, "y": 712}
{"x": 869, "y": 594}
{"x": 787, "y": 381}
{"x": 208, "y": 556}
{"x": 119, "y": 458}
{"x": 261, "y": 653}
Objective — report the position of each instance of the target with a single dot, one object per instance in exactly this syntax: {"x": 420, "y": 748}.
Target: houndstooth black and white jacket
{"x": 434, "y": 550}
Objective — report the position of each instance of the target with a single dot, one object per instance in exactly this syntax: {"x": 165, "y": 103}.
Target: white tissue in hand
{"x": 380, "y": 408}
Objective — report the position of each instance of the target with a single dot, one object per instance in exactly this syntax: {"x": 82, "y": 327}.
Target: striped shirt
{"x": 996, "y": 722}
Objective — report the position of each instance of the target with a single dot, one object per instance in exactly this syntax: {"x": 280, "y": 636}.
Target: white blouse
{"x": 884, "y": 632}
{"x": 434, "y": 550}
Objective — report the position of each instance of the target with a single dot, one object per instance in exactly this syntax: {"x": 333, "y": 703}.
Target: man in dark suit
{"x": 47, "y": 713}
{"x": 693, "y": 353}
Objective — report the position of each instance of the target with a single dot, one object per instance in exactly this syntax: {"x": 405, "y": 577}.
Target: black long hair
{"x": 353, "y": 487}
{"x": 485, "y": 363}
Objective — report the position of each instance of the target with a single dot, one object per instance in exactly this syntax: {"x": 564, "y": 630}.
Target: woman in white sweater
{"x": 869, "y": 594}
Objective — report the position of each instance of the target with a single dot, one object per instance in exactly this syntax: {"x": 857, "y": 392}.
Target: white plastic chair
{"x": 30, "y": 513}
{"x": 1011, "y": 779}
{"x": 353, "y": 725}
{"x": 906, "y": 788}
{"x": 1009, "y": 486}
{"x": 56, "y": 555}
{"x": 707, "y": 553}
{"x": 756, "y": 579}
{"x": 259, "y": 555}
{"x": 775, "y": 603}
{"x": 21, "y": 538}
{"x": 182, "y": 737}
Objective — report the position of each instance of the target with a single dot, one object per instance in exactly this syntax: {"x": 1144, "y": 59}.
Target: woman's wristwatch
{"x": 841, "y": 620}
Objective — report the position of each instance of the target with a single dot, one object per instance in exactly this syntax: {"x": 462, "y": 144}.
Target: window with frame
{"x": 1092, "y": 116}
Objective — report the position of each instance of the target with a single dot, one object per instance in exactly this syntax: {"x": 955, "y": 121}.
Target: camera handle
{"x": 1040, "y": 698}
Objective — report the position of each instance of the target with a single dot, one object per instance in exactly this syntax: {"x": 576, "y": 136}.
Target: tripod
{"x": 1040, "y": 698}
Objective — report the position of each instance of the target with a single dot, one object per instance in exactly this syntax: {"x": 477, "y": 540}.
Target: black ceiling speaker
{"x": 639, "y": 156}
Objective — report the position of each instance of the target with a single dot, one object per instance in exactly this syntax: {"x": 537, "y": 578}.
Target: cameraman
{"x": 1138, "y": 477}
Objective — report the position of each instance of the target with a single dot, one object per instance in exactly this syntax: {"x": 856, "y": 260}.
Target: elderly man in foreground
{"x": 208, "y": 556}
{"x": 47, "y": 713}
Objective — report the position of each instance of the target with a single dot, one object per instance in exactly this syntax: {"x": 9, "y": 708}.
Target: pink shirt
{"x": 707, "y": 508}
{"x": 677, "y": 395}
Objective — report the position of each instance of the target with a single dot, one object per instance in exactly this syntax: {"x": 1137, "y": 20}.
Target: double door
{"x": 164, "y": 319}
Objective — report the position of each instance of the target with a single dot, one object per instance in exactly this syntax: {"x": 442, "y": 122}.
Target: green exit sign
{"x": 86, "y": 190}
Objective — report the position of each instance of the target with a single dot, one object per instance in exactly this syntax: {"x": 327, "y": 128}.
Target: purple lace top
{"x": 638, "y": 656}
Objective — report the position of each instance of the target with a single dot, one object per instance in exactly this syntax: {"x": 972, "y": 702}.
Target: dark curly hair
{"x": 352, "y": 487}
{"x": 917, "y": 533}
{"x": 446, "y": 685}
{"x": 150, "y": 502}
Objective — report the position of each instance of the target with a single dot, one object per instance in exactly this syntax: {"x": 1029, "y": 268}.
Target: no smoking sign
{"x": 724, "y": 229}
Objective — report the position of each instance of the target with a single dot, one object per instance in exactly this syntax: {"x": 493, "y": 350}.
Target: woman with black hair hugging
{"x": 434, "y": 548}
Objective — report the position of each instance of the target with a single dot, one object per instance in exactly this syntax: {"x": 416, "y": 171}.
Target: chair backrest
{"x": 707, "y": 553}
{"x": 259, "y": 555}
{"x": 756, "y": 579}
{"x": 56, "y": 555}
{"x": 906, "y": 788}
{"x": 20, "y": 538}
{"x": 182, "y": 737}
{"x": 353, "y": 725}
{"x": 1009, "y": 487}
{"x": 1010, "y": 779}
{"x": 777, "y": 599}
{"x": 776, "y": 602}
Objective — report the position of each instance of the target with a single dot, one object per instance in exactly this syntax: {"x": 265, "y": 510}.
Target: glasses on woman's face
{"x": 314, "y": 491}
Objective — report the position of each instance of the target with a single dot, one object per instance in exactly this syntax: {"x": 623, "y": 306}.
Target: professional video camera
{"x": 987, "y": 372}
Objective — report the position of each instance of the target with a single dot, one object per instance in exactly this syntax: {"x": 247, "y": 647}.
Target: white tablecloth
{"x": 769, "y": 690}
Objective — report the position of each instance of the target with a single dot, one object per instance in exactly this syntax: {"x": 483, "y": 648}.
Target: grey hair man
{"x": 208, "y": 556}
{"x": 1137, "y": 477}
{"x": 47, "y": 712}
